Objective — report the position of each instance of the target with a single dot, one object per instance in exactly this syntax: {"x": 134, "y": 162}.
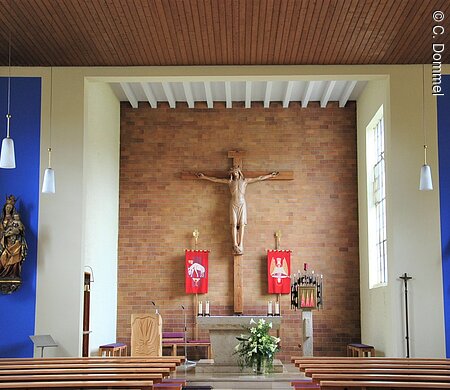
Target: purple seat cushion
{"x": 198, "y": 341}
{"x": 360, "y": 346}
{"x": 172, "y": 335}
{"x": 113, "y": 345}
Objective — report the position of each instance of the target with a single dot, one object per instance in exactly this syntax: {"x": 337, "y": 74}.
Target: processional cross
{"x": 237, "y": 182}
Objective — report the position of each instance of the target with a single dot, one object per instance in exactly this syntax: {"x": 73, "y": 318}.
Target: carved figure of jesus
{"x": 238, "y": 208}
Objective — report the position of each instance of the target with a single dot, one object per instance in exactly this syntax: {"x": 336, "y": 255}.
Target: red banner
{"x": 196, "y": 271}
{"x": 279, "y": 271}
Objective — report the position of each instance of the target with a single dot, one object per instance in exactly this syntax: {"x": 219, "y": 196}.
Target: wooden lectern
{"x": 146, "y": 335}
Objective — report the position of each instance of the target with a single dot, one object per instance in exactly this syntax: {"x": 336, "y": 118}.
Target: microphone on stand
{"x": 187, "y": 361}
{"x": 156, "y": 309}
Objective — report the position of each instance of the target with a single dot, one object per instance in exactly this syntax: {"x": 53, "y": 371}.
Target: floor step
{"x": 197, "y": 387}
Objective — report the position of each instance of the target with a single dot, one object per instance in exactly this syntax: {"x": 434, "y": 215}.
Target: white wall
{"x": 60, "y": 256}
{"x": 412, "y": 220}
{"x": 101, "y": 208}
{"x": 376, "y": 320}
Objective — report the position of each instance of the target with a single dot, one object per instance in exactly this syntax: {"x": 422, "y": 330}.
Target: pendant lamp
{"x": 48, "y": 185}
{"x": 426, "y": 182}
{"x": 7, "y": 155}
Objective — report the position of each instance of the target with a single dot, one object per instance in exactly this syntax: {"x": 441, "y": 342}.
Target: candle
{"x": 269, "y": 308}
{"x": 277, "y": 308}
{"x": 207, "y": 308}
{"x": 200, "y": 308}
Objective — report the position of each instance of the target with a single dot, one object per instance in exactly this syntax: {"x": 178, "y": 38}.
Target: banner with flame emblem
{"x": 279, "y": 271}
{"x": 196, "y": 271}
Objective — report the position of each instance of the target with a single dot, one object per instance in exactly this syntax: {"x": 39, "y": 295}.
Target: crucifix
{"x": 406, "y": 279}
{"x": 237, "y": 182}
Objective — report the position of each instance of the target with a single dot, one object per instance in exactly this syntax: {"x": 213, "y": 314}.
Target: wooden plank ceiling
{"x": 220, "y": 32}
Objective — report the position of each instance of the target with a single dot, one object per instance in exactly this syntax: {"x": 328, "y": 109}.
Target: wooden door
{"x": 86, "y": 312}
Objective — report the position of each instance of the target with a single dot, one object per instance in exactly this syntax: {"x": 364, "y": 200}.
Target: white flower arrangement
{"x": 258, "y": 347}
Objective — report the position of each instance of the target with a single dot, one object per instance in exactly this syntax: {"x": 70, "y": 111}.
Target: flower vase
{"x": 259, "y": 365}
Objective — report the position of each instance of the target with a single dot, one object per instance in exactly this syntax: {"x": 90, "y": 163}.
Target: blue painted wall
{"x": 17, "y": 311}
{"x": 444, "y": 183}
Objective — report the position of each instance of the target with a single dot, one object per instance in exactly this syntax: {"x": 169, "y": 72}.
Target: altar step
{"x": 208, "y": 366}
{"x": 259, "y": 383}
{"x": 241, "y": 380}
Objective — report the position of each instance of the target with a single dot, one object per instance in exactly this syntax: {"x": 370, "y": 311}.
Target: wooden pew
{"x": 104, "y": 370}
{"x": 362, "y": 359}
{"x": 381, "y": 377}
{"x": 65, "y": 377}
{"x": 398, "y": 370}
{"x": 159, "y": 359}
{"x": 71, "y": 373}
{"x": 170, "y": 384}
{"x": 303, "y": 367}
{"x": 174, "y": 345}
{"x": 342, "y": 385}
{"x": 367, "y": 373}
{"x": 305, "y": 385}
{"x": 67, "y": 366}
{"x": 350, "y": 360}
{"x": 143, "y": 385}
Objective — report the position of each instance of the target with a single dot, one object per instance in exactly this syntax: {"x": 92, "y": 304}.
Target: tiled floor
{"x": 222, "y": 381}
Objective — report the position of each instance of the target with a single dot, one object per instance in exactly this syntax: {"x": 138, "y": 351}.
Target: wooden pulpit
{"x": 146, "y": 335}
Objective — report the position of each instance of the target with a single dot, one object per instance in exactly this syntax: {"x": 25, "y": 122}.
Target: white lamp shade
{"x": 426, "y": 183}
{"x": 7, "y": 156}
{"x": 48, "y": 185}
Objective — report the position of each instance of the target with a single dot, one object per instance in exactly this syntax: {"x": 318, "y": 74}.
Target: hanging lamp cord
{"x": 423, "y": 116}
{"x": 50, "y": 126}
{"x": 8, "y": 115}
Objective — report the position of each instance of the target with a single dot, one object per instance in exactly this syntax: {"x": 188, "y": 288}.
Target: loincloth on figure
{"x": 238, "y": 214}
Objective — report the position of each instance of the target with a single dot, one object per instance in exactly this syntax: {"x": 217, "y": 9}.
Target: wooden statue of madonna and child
{"x": 13, "y": 247}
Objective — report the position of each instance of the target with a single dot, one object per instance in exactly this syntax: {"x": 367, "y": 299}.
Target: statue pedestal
{"x": 307, "y": 325}
{"x": 223, "y": 331}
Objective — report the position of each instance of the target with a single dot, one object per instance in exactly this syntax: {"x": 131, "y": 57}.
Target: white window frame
{"x": 376, "y": 200}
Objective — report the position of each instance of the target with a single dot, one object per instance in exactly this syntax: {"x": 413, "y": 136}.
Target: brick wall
{"x": 316, "y": 213}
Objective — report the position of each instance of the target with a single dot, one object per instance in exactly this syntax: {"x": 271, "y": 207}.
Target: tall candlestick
{"x": 269, "y": 308}
{"x": 200, "y": 308}
{"x": 196, "y": 234}
{"x": 277, "y": 308}
{"x": 207, "y": 308}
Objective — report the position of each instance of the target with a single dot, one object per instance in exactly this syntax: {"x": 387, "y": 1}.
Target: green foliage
{"x": 258, "y": 345}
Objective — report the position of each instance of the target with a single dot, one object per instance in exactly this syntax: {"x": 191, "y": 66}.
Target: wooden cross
{"x": 237, "y": 157}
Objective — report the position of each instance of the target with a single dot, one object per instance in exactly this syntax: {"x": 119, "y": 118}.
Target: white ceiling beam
{"x": 188, "y": 93}
{"x": 149, "y": 95}
{"x": 228, "y": 100}
{"x": 327, "y": 93}
{"x": 287, "y": 94}
{"x": 169, "y": 94}
{"x": 307, "y": 93}
{"x": 248, "y": 94}
{"x": 268, "y": 93}
{"x": 349, "y": 87}
{"x": 126, "y": 87}
{"x": 209, "y": 100}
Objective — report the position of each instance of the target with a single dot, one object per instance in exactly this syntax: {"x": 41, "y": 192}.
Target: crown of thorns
{"x": 235, "y": 168}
